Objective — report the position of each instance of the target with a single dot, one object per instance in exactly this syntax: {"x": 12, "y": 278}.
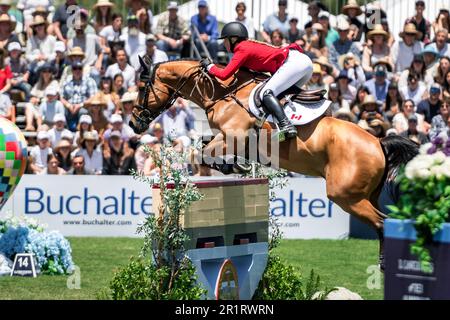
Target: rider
{"x": 287, "y": 65}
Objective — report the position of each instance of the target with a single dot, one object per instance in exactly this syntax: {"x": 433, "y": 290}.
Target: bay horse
{"x": 354, "y": 163}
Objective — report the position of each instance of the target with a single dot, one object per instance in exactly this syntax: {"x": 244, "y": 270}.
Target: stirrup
{"x": 285, "y": 134}
{"x": 260, "y": 119}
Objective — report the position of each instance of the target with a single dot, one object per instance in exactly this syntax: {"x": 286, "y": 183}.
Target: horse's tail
{"x": 397, "y": 151}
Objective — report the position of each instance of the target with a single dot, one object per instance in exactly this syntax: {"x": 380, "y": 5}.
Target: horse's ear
{"x": 144, "y": 65}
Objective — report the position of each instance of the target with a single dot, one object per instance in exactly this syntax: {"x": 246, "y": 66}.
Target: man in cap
{"x": 40, "y": 152}
{"x": 403, "y": 51}
{"x": 19, "y": 69}
{"x": 430, "y": 107}
{"x": 331, "y": 35}
{"x": 134, "y": 40}
{"x": 172, "y": 30}
{"x": 342, "y": 46}
{"x": 413, "y": 133}
{"x": 75, "y": 91}
{"x": 152, "y": 52}
{"x": 117, "y": 124}
{"x": 378, "y": 86}
{"x": 422, "y": 24}
{"x": 58, "y": 129}
{"x": 90, "y": 44}
{"x": 50, "y": 107}
{"x": 61, "y": 61}
{"x": 208, "y": 28}
{"x": 276, "y": 21}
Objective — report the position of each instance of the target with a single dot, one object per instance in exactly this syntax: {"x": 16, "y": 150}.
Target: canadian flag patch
{"x": 296, "y": 117}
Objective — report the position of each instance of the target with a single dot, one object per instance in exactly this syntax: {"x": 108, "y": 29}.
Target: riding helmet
{"x": 234, "y": 29}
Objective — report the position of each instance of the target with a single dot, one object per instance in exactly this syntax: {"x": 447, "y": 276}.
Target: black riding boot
{"x": 274, "y": 107}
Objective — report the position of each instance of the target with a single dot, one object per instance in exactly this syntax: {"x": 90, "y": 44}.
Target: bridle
{"x": 144, "y": 116}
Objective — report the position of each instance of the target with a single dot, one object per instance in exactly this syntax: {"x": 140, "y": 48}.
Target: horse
{"x": 355, "y": 164}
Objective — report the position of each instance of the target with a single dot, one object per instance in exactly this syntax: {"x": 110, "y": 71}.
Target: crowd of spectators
{"x": 78, "y": 76}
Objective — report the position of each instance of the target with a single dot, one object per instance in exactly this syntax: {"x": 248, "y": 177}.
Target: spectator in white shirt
{"x": 415, "y": 90}
{"x": 134, "y": 40}
{"x": 58, "y": 129}
{"x": 41, "y": 151}
{"x": 122, "y": 66}
{"x": 50, "y": 107}
{"x": 111, "y": 32}
{"x": 92, "y": 156}
{"x": 403, "y": 51}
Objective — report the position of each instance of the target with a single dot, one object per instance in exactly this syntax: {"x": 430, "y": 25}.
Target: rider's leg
{"x": 297, "y": 69}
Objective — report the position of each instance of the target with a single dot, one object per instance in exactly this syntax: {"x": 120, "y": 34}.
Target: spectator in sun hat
{"x": 128, "y": 101}
{"x": 352, "y": 10}
{"x": 431, "y": 58}
{"x": 92, "y": 156}
{"x": 378, "y": 85}
{"x": 19, "y": 69}
{"x": 327, "y": 69}
{"x": 62, "y": 152}
{"x": 49, "y": 108}
{"x": 430, "y": 106}
{"x": 172, "y": 30}
{"x": 422, "y": 25}
{"x": 103, "y": 12}
{"x": 403, "y": 51}
{"x": 377, "y": 49}
{"x": 343, "y": 45}
{"x": 345, "y": 114}
{"x": 7, "y": 34}
{"x": 41, "y": 45}
{"x": 41, "y": 151}
{"x": 118, "y": 159}
{"x": 58, "y": 129}
{"x": 370, "y": 110}
{"x": 96, "y": 107}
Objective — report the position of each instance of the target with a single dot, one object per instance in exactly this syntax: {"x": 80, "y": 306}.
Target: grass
{"x": 339, "y": 263}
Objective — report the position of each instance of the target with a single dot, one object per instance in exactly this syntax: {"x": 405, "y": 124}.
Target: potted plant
{"x": 417, "y": 246}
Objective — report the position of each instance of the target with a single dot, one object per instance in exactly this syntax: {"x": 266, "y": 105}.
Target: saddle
{"x": 297, "y": 95}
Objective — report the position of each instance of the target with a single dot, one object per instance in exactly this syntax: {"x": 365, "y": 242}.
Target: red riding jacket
{"x": 257, "y": 56}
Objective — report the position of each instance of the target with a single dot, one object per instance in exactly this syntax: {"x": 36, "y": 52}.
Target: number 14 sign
{"x": 24, "y": 265}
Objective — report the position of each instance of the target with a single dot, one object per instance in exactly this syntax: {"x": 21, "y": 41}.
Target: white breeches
{"x": 297, "y": 69}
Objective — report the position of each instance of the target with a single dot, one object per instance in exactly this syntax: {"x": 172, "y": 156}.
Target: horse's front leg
{"x": 226, "y": 153}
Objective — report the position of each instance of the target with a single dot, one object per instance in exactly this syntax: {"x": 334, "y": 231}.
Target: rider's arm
{"x": 236, "y": 62}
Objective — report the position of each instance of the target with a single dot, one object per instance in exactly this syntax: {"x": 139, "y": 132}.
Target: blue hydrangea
{"x": 53, "y": 252}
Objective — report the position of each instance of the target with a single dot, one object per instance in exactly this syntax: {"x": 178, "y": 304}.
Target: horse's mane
{"x": 245, "y": 71}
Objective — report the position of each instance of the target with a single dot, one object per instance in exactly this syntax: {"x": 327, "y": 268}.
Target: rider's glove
{"x": 205, "y": 63}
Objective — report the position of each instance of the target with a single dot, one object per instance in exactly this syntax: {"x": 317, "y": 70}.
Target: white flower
{"x": 423, "y": 173}
{"x": 424, "y": 148}
{"x": 439, "y": 157}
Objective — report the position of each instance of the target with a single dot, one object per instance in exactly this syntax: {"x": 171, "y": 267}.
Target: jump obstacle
{"x": 228, "y": 235}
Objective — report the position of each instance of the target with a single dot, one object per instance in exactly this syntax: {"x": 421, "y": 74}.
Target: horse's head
{"x": 154, "y": 97}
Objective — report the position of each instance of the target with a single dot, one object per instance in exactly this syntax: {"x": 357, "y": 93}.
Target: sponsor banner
{"x": 101, "y": 206}
{"x": 303, "y": 211}
{"x": 114, "y": 206}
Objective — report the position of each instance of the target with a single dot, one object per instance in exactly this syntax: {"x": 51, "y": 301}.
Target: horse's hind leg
{"x": 365, "y": 211}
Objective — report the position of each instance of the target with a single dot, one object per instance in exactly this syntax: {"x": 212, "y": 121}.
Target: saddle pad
{"x": 298, "y": 113}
